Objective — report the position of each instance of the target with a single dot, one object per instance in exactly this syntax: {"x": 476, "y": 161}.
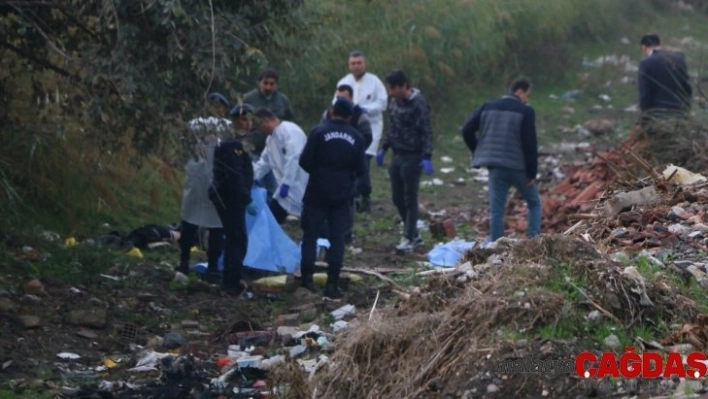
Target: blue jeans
{"x": 500, "y": 180}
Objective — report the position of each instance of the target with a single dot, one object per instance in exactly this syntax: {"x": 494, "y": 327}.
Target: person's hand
{"x": 252, "y": 209}
{"x": 427, "y": 166}
{"x": 380, "y": 157}
{"x": 284, "y": 189}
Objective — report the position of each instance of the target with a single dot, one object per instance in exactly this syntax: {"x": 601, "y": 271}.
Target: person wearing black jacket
{"x": 231, "y": 194}
{"x": 334, "y": 157}
{"x": 360, "y": 121}
{"x": 411, "y": 139}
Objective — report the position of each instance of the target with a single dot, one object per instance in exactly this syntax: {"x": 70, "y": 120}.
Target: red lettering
{"x": 696, "y": 362}
{"x": 580, "y": 369}
{"x": 608, "y": 366}
{"x": 650, "y": 359}
{"x": 674, "y": 366}
{"x": 630, "y": 364}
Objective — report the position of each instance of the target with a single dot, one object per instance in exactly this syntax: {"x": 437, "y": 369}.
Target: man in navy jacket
{"x": 334, "y": 158}
{"x": 664, "y": 87}
{"x": 507, "y": 146}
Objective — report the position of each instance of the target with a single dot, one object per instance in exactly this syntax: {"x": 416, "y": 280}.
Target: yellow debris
{"x": 135, "y": 253}
{"x": 70, "y": 242}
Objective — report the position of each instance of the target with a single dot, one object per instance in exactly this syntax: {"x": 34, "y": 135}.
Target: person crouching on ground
{"x": 231, "y": 195}
{"x": 334, "y": 157}
{"x": 281, "y": 154}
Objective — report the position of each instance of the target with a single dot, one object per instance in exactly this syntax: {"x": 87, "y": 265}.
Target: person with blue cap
{"x": 334, "y": 157}
{"x": 231, "y": 195}
{"x": 197, "y": 210}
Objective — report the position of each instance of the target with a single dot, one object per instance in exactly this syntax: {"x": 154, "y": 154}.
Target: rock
{"x": 291, "y": 320}
{"x": 30, "y": 299}
{"x": 35, "y": 287}
{"x": 30, "y": 321}
{"x": 491, "y": 388}
{"x": 189, "y": 324}
{"x": 612, "y": 342}
{"x": 86, "y": 333}
{"x": 173, "y": 341}
{"x": 181, "y": 278}
{"x": 5, "y": 294}
{"x": 522, "y": 343}
{"x": 287, "y": 330}
{"x": 594, "y": 316}
{"x": 92, "y": 318}
{"x": 7, "y": 306}
{"x": 599, "y": 127}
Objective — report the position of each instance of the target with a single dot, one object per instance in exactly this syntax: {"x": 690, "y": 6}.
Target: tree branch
{"x": 44, "y": 63}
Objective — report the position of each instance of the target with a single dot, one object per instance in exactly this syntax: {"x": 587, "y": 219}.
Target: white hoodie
{"x": 370, "y": 94}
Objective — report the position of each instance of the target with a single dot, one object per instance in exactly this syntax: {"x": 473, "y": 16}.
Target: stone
{"x": 190, "y": 324}
{"x": 7, "y": 306}
{"x": 5, "y": 294}
{"x": 86, "y": 333}
{"x": 290, "y": 320}
{"x": 522, "y": 343}
{"x": 612, "y": 342}
{"x": 35, "y": 287}
{"x": 173, "y": 341}
{"x": 599, "y": 127}
{"x": 29, "y": 322}
{"x": 491, "y": 388}
{"x": 92, "y": 318}
{"x": 287, "y": 330}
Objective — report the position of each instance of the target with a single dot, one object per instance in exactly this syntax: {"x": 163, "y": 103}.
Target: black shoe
{"x": 333, "y": 293}
{"x": 235, "y": 291}
{"x": 211, "y": 277}
{"x": 363, "y": 206}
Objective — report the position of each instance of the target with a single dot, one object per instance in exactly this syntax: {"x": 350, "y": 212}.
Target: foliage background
{"x": 95, "y": 94}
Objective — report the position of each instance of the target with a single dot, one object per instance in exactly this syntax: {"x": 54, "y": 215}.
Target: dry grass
{"x": 449, "y": 327}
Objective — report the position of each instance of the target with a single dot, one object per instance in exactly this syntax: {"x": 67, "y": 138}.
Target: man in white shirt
{"x": 282, "y": 156}
{"x": 370, "y": 94}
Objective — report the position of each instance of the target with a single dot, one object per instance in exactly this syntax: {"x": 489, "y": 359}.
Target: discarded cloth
{"x": 450, "y": 253}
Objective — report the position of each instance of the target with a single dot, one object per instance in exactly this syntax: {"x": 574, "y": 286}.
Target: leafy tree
{"x": 136, "y": 67}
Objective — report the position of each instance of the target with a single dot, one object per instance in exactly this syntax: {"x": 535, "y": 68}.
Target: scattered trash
{"x": 68, "y": 356}
{"x": 447, "y": 170}
{"x": 135, "y": 253}
{"x": 446, "y": 159}
{"x": 344, "y": 311}
{"x": 679, "y": 175}
{"x": 450, "y": 253}
{"x": 70, "y": 242}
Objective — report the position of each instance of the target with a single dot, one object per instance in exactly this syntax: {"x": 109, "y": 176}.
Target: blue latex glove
{"x": 252, "y": 209}
{"x": 284, "y": 189}
{"x": 427, "y": 166}
{"x": 380, "y": 157}
{"x": 257, "y": 183}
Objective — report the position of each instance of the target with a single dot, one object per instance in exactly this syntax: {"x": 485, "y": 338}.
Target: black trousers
{"x": 278, "y": 212}
{"x": 348, "y": 236}
{"x": 234, "y": 221}
{"x": 405, "y": 180}
{"x": 363, "y": 184}
{"x": 338, "y": 218}
{"x": 190, "y": 236}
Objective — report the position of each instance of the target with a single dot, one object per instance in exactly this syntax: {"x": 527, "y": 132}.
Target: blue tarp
{"x": 450, "y": 253}
{"x": 269, "y": 248}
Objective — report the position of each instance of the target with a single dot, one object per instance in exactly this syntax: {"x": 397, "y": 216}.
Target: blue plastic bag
{"x": 450, "y": 253}
{"x": 269, "y": 247}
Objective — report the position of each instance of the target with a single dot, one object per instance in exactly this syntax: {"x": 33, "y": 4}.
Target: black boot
{"x": 232, "y": 283}
{"x": 307, "y": 282}
{"x": 332, "y": 290}
{"x": 364, "y": 205}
